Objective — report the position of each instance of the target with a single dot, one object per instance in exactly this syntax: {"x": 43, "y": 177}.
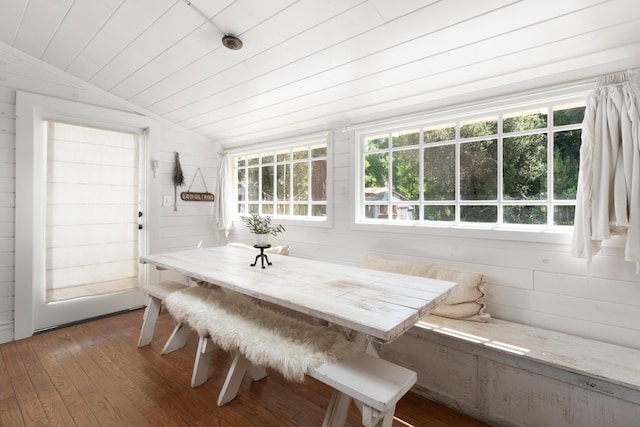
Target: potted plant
{"x": 261, "y": 227}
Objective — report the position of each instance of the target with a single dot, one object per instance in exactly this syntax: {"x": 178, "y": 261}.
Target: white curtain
{"x": 226, "y": 203}
{"x": 608, "y": 197}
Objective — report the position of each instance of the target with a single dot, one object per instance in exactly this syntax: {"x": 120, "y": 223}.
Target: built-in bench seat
{"x": 261, "y": 337}
{"x": 513, "y": 374}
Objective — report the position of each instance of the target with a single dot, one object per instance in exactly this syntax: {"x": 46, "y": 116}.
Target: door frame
{"x": 32, "y": 111}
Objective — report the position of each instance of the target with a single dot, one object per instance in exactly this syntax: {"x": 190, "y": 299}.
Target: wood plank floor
{"x": 93, "y": 374}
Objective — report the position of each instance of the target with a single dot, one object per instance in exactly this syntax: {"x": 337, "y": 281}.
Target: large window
{"x": 513, "y": 168}
{"x": 289, "y": 180}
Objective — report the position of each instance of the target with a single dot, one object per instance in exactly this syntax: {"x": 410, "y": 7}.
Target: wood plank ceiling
{"x": 309, "y": 64}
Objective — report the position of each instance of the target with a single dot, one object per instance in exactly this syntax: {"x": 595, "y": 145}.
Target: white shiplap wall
{"x": 534, "y": 283}
{"x": 193, "y": 223}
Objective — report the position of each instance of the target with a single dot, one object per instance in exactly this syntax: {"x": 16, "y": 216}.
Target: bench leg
{"x": 151, "y": 314}
{"x": 201, "y": 365}
{"x": 238, "y": 368}
{"x": 373, "y": 418}
{"x": 178, "y": 338}
{"x": 337, "y": 411}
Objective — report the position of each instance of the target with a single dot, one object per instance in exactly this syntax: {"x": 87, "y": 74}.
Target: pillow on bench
{"x": 467, "y": 301}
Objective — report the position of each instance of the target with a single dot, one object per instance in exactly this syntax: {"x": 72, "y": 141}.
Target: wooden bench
{"x": 509, "y": 373}
{"x": 156, "y": 292}
{"x": 375, "y": 383}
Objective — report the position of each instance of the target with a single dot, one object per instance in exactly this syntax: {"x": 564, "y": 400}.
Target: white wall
{"x": 533, "y": 283}
{"x": 192, "y": 224}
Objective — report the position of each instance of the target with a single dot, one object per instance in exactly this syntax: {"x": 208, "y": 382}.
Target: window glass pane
{"x": 283, "y": 156}
{"x": 376, "y": 211}
{"x": 267, "y": 159}
{"x": 478, "y": 170}
{"x": 253, "y": 208}
{"x": 252, "y": 160}
{"x": 252, "y": 184}
{"x": 525, "y": 167}
{"x": 406, "y": 138}
{"x": 568, "y": 115}
{"x": 267, "y": 209}
{"x": 319, "y": 151}
{"x": 319, "y": 180}
{"x": 440, "y": 172}
{"x": 479, "y": 213}
{"x": 406, "y": 212}
{"x": 525, "y": 214}
{"x": 566, "y": 160}
{"x": 300, "y": 210}
{"x": 241, "y": 162}
{"x": 241, "y": 208}
{"x": 319, "y": 210}
{"x": 300, "y": 154}
{"x": 376, "y": 143}
{"x": 283, "y": 209}
{"x": 376, "y": 171}
{"x": 300, "y": 181}
{"x": 481, "y": 127}
{"x": 406, "y": 175}
{"x": 440, "y": 133}
{"x": 563, "y": 215}
{"x": 283, "y": 187}
{"x": 524, "y": 121}
{"x": 242, "y": 185}
{"x": 440, "y": 213}
{"x": 267, "y": 183}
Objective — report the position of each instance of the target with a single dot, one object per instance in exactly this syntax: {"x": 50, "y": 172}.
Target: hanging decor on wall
{"x": 178, "y": 180}
{"x": 192, "y": 196}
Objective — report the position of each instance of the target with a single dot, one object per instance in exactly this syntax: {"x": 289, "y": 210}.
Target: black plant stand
{"x": 262, "y": 255}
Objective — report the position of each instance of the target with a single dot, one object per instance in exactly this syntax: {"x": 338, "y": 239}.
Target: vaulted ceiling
{"x": 308, "y": 64}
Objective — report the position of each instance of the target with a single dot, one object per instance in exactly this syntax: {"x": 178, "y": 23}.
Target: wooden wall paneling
{"x": 536, "y": 400}
{"x": 624, "y": 335}
{"x": 602, "y": 312}
{"x": 456, "y": 376}
{"x": 616, "y": 291}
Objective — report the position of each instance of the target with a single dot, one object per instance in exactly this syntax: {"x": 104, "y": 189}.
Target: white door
{"x": 93, "y": 217}
{"x": 44, "y": 224}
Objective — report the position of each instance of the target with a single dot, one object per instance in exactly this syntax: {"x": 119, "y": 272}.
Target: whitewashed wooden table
{"x": 378, "y": 304}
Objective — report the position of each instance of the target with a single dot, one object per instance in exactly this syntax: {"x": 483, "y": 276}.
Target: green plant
{"x": 261, "y": 225}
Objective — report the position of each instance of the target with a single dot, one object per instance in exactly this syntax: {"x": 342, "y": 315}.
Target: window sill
{"x": 559, "y": 235}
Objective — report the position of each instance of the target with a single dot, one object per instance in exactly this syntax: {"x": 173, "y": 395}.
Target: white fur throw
{"x": 466, "y": 302}
{"x": 265, "y": 337}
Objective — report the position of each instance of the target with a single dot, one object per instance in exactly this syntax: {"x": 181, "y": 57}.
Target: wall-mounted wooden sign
{"x": 191, "y": 196}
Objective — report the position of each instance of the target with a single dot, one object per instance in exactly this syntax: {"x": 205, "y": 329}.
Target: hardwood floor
{"x": 93, "y": 374}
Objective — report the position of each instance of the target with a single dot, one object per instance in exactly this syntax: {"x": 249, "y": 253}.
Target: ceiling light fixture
{"x": 231, "y": 42}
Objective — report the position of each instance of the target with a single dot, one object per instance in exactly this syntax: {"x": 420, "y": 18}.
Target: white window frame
{"x": 516, "y": 232}
{"x": 303, "y": 141}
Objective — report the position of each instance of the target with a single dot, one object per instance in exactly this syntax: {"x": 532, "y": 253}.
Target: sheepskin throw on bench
{"x": 265, "y": 337}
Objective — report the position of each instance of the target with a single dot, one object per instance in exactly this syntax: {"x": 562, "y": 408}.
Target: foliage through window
{"x": 505, "y": 168}
{"x": 287, "y": 181}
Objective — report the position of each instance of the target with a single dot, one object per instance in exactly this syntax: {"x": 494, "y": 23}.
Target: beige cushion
{"x": 467, "y": 301}
{"x": 281, "y": 250}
